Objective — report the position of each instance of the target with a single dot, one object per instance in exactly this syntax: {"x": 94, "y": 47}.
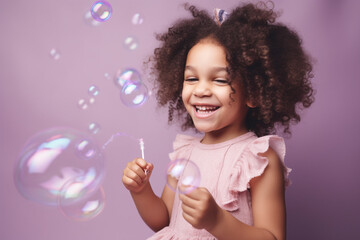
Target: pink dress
{"x": 226, "y": 169}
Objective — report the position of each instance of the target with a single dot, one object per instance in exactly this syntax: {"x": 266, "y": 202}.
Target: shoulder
{"x": 267, "y": 154}
{"x": 182, "y": 146}
{"x": 182, "y": 140}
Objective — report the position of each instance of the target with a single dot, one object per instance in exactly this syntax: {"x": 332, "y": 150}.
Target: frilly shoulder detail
{"x": 250, "y": 165}
{"x": 182, "y": 146}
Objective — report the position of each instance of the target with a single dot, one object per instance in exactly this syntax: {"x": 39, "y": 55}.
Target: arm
{"x": 152, "y": 209}
{"x": 268, "y": 206}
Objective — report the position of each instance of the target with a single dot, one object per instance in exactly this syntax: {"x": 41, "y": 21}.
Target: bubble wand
{"x": 141, "y": 142}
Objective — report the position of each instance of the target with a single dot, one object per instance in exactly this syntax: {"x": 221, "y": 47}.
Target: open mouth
{"x": 206, "y": 109}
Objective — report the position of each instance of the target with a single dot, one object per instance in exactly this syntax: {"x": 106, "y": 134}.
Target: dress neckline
{"x": 240, "y": 138}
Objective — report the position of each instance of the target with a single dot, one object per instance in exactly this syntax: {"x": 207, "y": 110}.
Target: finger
{"x": 187, "y": 201}
{"x": 149, "y": 167}
{"x": 188, "y": 210}
{"x": 141, "y": 162}
{"x": 134, "y": 176}
{"x": 148, "y": 170}
{"x": 130, "y": 183}
{"x": 190, "y": 219}
{"x": 198, "y": 193}
{"x": 140, "y": 171}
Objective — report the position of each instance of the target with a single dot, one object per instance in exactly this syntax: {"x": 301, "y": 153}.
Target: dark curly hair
{"x": 265, "y": 57}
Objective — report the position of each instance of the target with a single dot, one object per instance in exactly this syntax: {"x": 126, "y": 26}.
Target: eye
{"x": 222, "y": 81}
{"x": 191, "y": 79}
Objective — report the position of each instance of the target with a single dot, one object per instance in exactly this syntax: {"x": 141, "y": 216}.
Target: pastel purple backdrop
{"x": 38, "y": 92}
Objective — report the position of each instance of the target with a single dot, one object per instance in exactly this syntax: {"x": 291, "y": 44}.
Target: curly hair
{"x": 266, "y": 58}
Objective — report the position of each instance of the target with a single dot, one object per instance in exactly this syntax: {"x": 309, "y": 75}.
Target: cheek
{"x": 185, "y": 94}
{"x": 227, "y": 97}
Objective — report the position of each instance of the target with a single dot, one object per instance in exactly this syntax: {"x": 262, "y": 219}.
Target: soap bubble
{"x": 126, "y": 76}
{"x": 55, "y": 54}
{"x": 101, "y": 11}
{"x": 137, "y": 19}
{"x": 94, "y": 128}
{"x": 183, "y": 176}
{"x": 133, "y": 94}
{"x": 83, "y": 104}
{"x": 76, "y": 202}
{"x": 53, "y": 157}
{"x": 93, "y": 91}
{"x": 131, "y": 43}
{"x": 107, "y": 76}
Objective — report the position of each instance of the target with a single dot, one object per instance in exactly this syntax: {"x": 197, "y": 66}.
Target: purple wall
{"x": 38, "y": 92}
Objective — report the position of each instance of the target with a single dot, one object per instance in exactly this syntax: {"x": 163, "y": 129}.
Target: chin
{"x": 204, "y": 129}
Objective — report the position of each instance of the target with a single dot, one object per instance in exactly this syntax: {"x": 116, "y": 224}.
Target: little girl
{"x": 236, "y": 78}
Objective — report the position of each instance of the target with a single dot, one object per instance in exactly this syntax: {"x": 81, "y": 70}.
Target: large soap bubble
{"x": 51, "y": 158}
{"x": 183, "y": 176}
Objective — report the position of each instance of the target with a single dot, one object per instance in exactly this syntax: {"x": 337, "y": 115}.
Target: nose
{"x": 202, "y": 89}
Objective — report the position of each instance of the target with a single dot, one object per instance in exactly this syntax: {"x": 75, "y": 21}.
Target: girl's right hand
{"x": 134, "y": 177}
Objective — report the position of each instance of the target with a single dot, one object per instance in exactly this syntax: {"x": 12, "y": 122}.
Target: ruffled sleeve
{"x": 250, "y": 165}
{"x": 182, "y": 147}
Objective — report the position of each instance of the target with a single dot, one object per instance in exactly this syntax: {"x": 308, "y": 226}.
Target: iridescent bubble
{"x": 137, "y": 19}
{"x": 101, "y": 11}
{"x": 134, "y": 94}
{"x": 83, "y": 104}
{"x": 183, "y": 176}
{"x": 93, "y": 91}
{"x": 131, "y": 43}
{"x": 53, "y": 157}
{"x": 79, "y": 204}
{"x": 126, "y": 76}
{"x": 55, "y": 54}
{"x": 94, "y": 128}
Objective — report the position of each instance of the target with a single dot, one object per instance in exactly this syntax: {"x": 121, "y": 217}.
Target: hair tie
{"x": 220, "y": 16}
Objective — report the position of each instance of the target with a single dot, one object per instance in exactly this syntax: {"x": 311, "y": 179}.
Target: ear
{"x": 250, "y": 105}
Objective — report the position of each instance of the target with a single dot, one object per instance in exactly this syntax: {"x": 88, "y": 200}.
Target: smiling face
{"x": 213, "y": 106}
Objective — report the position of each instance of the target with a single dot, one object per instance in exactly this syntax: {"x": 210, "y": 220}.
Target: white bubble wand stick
{"x": 141, "y": 142}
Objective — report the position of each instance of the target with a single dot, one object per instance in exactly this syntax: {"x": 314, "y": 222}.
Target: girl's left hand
{"x": 200, "y": 209}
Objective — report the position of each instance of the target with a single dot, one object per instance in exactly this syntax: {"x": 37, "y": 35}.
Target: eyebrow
{"x": 213, "y": 69}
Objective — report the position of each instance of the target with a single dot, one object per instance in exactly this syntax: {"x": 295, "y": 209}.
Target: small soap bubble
{"x": 107, "y": 76}
{"x": 83, "y": 104}
{"x": 53, "y": 157}
{"x": 137, "y": 19}
{"x": 131, "y": 43}
{"x": 183, "y": 176}
{"x": 134, "y": 94}
{"x": 55, "y": 54}
{"x": 126, "y": 76}
{"x": 79, "y": 204}
{"x": 94, "y": 128}
{"x": 101, "y": 11}
{"x": 93, "y": 91}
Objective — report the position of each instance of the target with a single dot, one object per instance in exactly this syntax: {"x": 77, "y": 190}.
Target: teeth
{"x": 206, "y": 108}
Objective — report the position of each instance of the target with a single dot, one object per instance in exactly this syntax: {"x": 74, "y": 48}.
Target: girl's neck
{"x": 218, "y": 137}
